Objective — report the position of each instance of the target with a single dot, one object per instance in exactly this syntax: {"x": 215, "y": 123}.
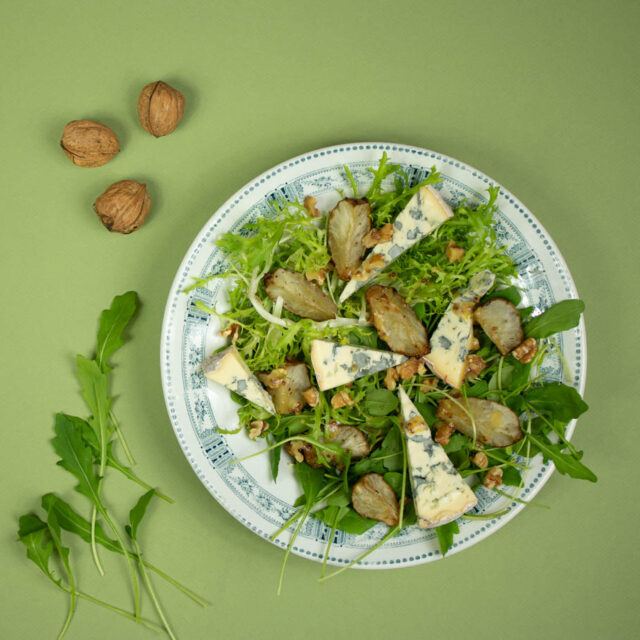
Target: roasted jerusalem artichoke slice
{"x": 396, "y": 322}
{"x": 501, "y": 321}
{"x": 373, "y": 498}
{"x": 299, "y": 296}
{"x": 495, "y": 424}
{"x": 349, "y": 223}
{"x": 349, "y": 438}
{"x": 285, "y": 384}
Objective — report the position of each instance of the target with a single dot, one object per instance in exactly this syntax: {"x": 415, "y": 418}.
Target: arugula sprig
{"x": 85, "y": 450}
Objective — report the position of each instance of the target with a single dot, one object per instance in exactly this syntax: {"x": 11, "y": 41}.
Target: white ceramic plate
{"x": 196, "y": 406}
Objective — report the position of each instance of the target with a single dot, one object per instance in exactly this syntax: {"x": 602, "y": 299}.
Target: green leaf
{"x": 76, "y": 457}
{"x": 74, "y": 523}
{"x": 312, "y": 480}
{"x": 512, "y": 294}
{"x": 349, "y": 520}
{"x": 394, "y": 480}
{"x": 392, "y": 444}
{"x": 94, "y": 387}
{"x": 137, "y": 513}
{"x": 353, "y": 522}
{"x": 511, "y": 477}
{"x": 112, "y": 324}
{"x": 557, "y": 400}
{"x": 380, "y": 402}
{"x": 445, "y": 534}
{"x": 478, "y": 389}
{"x": 34, "y": 535}
{"x": 372, "y": 464}
{"x": 427, "y": 411}
{"x": 560, "y": 317}
{"x": 565, "y": 463}
{"x": 457, "y": 442}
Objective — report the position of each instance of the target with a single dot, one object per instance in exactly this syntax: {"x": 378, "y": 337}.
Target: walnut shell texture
{"x": 124, "y": 206}
{"x": 89, "y": 144}
{"x": 160, "y": 108}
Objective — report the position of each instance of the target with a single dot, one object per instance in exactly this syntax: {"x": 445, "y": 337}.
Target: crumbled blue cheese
{"x": 440, "y": 494}
{"x": 424, "y": 213}
{"x": 337, "y": 364}
{"x": 452, "y": 337}
{"x": 229, "y": 369}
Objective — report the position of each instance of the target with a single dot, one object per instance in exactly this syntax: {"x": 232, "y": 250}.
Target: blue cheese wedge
{"x": 229, "y": 369}
{"x": 424, "y": 213}
{"x": 452, "y": 337}
{"x": 337, "y": 364}
{"x": 440, "y": 494}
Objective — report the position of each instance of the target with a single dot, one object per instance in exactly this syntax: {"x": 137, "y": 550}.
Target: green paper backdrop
{"x": 541, "y": 96}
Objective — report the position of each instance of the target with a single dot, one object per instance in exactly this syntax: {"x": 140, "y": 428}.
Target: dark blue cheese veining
{"x": 440, "y": 494}
{"x": 424, "y": 213}
{"x": 229, "y": 369}
{"x": 452, "y": 337}
{"x": 337, "y": 364}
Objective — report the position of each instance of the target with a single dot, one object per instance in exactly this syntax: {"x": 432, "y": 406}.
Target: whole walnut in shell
{"x": 160, "y": 108}
{"x": 124, "y": 206}
{"x": 88, "y": 143}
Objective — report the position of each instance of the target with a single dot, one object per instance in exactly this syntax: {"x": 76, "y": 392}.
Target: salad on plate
{"x": 383, "y": 348}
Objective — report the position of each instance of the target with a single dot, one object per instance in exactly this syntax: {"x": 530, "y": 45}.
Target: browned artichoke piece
{"x": 299, "y": 296}
{"x": 349, "y": 223}
{"x": 396, "y": 322}
{"x": 501, "y": 321}
{"x": 285, "y": 384}
{"x": 350, "y": 439}
{"x": 373, "y": 498}
{"x": 495, "y": 424}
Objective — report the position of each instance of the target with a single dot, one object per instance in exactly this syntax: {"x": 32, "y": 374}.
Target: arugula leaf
{"x": 312, "y": 480}
{"x": 94, "y": 387}
{"x": 74, "y": 523}
{"x": 76, "y": 458}
{"x": 380, "y": 402}
{"x": 372, "y": 464}
{"x": 112, "y": 324}
{"x": 392, "y": 444}
{"x": 560, "y": 317}
{"x": 512, "y": 294}
{"x": 34, "y": 535}
{"x": 63, "y": 554}
{"x": 511, "y": 477}
{"x": 137, "y": 513}
{"x": 445, "y": 535}
{"x": 559, "y": 401}
{"x": 394, "y": 480}
{"x": 348, "y": 520}
{"x": 427, "y": 411}
{"x": 565, "y": 463}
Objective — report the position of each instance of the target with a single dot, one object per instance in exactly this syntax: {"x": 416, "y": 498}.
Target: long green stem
{"x": 176, "y": 584}
{"x": 130, "y": 561}
{"x": 121, "y": 438}
{"x": 94, "y": 549}
{"x": 111, "y": 607}
{"x": 134, "y": 478}
{"x": 152, "y": 593}
{"x": 305, "y": 513}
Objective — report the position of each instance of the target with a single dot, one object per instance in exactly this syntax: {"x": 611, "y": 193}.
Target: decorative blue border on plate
{"x": 214, "y": 447}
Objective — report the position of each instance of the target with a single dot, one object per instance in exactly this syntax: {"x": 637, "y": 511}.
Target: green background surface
{"x": 541, "y": 96}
